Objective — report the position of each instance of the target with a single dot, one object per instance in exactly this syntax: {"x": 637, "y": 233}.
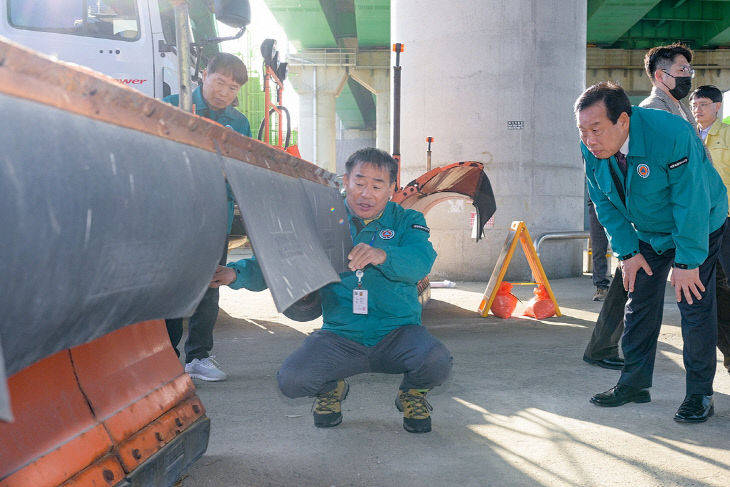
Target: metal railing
{"x": 559, "y": 236}
{"x": 324, "y": 57}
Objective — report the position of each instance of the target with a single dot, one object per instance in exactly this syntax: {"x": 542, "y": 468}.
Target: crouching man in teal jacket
{"x": 663, "y": 206}
{"x": 372, "y": 318}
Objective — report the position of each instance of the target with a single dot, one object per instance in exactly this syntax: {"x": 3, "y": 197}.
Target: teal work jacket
{"x": 392, "y": 293}
{"x": 674, "y": 197}
{"x": 229, "y": 117}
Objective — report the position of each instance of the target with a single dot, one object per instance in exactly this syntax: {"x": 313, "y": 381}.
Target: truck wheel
{"x": 306, "y": 309}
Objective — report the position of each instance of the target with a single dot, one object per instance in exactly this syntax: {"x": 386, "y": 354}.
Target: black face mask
{"x": 682, "y": 85}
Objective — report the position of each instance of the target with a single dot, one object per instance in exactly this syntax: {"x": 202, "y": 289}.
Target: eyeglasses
{"x": 685, "y": 69}
{"x": 697, "y": 106}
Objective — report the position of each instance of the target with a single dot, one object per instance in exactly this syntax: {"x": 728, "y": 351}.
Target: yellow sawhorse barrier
{"x": 518, "y": 233}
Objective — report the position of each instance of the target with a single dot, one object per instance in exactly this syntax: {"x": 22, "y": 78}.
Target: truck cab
{"x": 132, "y": 41}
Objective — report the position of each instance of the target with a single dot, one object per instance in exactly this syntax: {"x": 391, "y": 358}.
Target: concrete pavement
{"x": 514, "y": 413}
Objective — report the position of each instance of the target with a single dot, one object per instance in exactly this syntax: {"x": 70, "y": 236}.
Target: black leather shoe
{"x": 616, "y": 363}
{"x": 695, "y": 408}
{"x": 620, "y": 395}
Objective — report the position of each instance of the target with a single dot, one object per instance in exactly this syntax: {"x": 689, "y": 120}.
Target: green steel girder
{"x": 373, "y": 23}
{"x": 627, "y": 24}
{"x": 359, "y": 104}
{"x": 701, "y": 24}
{"x": 304, "y": 21}
{"x": 608, "y": 20}
{"x": 717, "y": 32}
{"x": 340, "y": 15}
{"x": 312, "y": 24}
{"x": 347, "y": 109}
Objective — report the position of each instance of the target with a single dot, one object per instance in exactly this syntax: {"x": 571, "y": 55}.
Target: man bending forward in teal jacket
{"x": 378, "y": 330}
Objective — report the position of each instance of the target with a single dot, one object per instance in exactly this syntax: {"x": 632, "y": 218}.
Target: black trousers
{"x": 610, "y": 324}
{"x": 200, "y": 325}
{"x": 723, "y": 297}
{"x": 643, "y": 319}
{"x": 599, "y": 247}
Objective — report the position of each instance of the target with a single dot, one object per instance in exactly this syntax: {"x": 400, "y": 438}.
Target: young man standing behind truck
{"x": 222, "y": 80}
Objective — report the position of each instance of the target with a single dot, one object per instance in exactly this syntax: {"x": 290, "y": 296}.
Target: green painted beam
{"x": 312, "y": 24}
{"x": 365, "y": 103}
{"x": 340, "y": 15}
{"x": 627, "y": 24}
{"x": 348, "y": 109}
{"x": 304, "y": 21}
{"x": 373, "y": 23}
{"x": 320, "y": 23}
{"x": 608, "y": 20}
{"x": 695, "y": 23}
{"x": 718, "y": 32}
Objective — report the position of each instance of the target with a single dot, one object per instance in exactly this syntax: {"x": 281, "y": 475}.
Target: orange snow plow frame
{"x": 80, "y": 420}
{"x": 460, "y": 180}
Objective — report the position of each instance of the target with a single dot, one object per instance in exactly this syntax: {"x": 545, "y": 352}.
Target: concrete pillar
{"x": 373, "y": 72}
{"x": 318, "y": 88}
{"x": 494, "y": 81}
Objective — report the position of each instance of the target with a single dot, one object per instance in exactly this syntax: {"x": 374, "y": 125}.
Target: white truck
{"x": 133, "y": 41}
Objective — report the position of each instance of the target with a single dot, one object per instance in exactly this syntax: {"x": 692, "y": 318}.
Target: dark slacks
{"x": 326, "y": 357}
{"x": 643, "y": 319}
{"x": 599, "y": 248}
{"x": 723, "y": 297}
{"x": 610, "y": 323}
{"x": 200, "y": 325}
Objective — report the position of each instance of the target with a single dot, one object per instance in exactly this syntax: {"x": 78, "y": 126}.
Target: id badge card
{"x": 359, "y": 296}
{"x": 360, "y": 301}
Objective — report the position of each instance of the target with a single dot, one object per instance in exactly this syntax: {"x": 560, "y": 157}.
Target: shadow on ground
{"x": 515, "y": 411}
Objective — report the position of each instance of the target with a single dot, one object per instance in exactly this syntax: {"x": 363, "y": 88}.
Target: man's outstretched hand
{"x": 223, "y": 276}
{"x": 363, "y": 254}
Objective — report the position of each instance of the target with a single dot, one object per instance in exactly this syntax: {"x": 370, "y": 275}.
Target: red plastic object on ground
{"x": 504, "y": 302}
{"x": 540, "y": 306}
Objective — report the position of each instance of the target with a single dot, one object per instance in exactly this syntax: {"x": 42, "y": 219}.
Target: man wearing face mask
{"x": 671, "y": 73}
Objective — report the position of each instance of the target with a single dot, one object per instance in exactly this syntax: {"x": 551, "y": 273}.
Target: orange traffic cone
{"x": 540, "y": 306}
{"x": 504, "y": 302}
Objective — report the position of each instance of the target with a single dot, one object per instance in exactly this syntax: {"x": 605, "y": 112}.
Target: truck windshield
{"x": 114, "y": 19}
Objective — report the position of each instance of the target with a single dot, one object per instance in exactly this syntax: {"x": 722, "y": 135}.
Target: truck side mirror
{"x": 234, "y": 13}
